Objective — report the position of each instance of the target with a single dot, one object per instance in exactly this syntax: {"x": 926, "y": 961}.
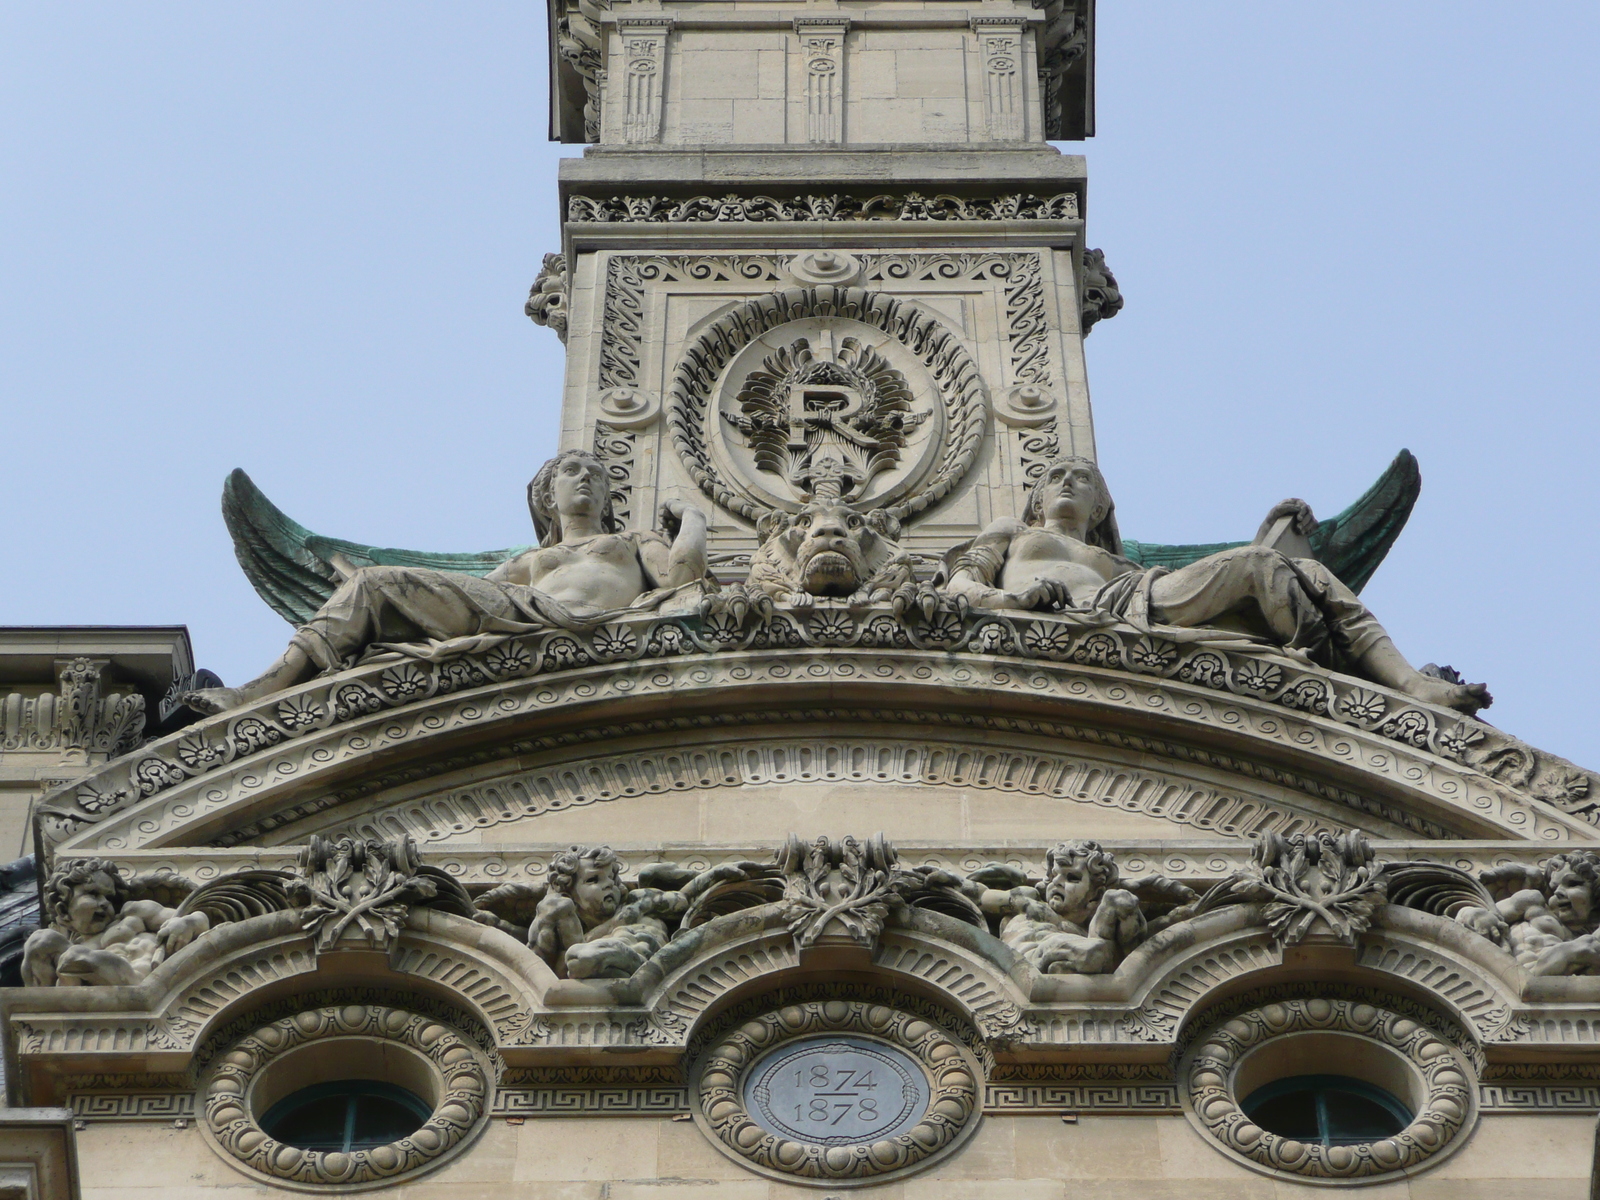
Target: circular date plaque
{"x": 836, "y": 1091}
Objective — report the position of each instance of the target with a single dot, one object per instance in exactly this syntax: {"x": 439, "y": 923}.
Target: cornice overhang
{"x": 1428, "y": 769}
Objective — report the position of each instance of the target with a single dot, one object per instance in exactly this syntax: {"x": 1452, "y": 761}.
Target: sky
{"x": 296, "y": 237}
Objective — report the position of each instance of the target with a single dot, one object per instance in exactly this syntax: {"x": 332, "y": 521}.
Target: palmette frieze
{"x": 1476, "y": 767}
{"x": 905, "y": 206}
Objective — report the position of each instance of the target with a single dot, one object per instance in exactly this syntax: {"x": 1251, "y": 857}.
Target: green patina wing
{"x": 295, "y": 570}
{"x": 1351, "y": 544}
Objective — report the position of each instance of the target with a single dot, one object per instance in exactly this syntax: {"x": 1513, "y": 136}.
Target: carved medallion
{"x": 837, "y": 1091}
{"x": 826, "y": 413}
{"x": 825, "y": 392}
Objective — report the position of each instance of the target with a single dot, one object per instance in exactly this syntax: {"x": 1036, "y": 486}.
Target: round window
{"x": 1331, "y": 1109}
{"x": 350, "y": 1115}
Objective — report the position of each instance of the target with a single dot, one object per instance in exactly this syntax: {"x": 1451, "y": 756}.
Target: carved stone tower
{"x": 823, "y": 245}
{"x": 833, "y": 799}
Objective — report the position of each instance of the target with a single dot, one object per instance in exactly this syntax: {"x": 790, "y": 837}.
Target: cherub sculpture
{"x": 585, "y": 571}
{"x": 588, "y": 924}
{"x": 1547, "y": 917}
{"x": 1077, "y": 920}
{"x": 1066, "y": 554}
{"x": 96, "y": 933}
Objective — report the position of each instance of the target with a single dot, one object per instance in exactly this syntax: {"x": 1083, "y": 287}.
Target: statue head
{"x": 1071, "y": 487}
{"x": 572, "y": 482}
{"x": 1077, "y": 874}
{"x": 1571, "y": 882}
{"x": 82, "y": 897}
{"x": 591, "y": 877}
{"x": 834, "y": 549}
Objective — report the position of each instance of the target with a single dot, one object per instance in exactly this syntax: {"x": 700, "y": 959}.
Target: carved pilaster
{"x": 822, "y": 45}
{"x": 644, "y": 66}
{"x": 1000, "y": 43}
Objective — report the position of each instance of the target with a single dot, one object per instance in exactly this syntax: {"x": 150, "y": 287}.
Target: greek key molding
{"x": 132, "y": 1106}
{"x": 580, "y": 1101}
{"x": 1108, "y": 1098}
{"x": 1572, "y": 1098}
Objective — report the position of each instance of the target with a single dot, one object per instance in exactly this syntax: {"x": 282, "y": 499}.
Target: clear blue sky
{"x": 296, "y": 237}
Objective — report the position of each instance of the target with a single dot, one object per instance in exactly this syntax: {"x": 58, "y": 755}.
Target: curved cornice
{"x": 1424, "y": 769}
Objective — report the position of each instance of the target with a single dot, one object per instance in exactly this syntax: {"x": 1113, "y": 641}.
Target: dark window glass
{"x": 350, "y": 1115}
{"x": 1330, "y": 1109}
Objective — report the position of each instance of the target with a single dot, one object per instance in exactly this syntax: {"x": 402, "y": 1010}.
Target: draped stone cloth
{"x": 423, "y": 613}
{"x": 1332, "y": 626}
{"x": 1331, "y": 623}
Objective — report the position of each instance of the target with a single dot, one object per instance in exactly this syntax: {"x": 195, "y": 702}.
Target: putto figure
{"x": 1077, "y": 920}
{"x": 590, "y": 925}
{"x": 96, "y": 934}
{"x": 585, "y": 571}
{"x": 1066, "y": 554}
{"x": 1548, "y": 918}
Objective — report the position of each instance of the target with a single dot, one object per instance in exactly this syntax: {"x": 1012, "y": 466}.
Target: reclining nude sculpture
{"x": 1065, "y": 554}
{"x": 585, "y": 571}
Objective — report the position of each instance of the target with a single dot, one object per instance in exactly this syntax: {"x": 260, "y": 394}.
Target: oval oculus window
{"x": 1332, "y": 1110}
{"x": 355, "y": 1114}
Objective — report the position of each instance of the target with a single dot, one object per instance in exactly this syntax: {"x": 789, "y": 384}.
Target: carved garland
{"x": 1210, "y": 1071}
{"x": 461, "y": 1105}
{"x": 952, "y": 1102}
{"x": 960, "y": 385}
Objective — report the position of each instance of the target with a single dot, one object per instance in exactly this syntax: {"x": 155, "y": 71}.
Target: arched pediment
{"x": 1277, "y": 746}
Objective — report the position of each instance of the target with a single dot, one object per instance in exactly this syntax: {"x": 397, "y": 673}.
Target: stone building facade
{"x": 832, "y": 799}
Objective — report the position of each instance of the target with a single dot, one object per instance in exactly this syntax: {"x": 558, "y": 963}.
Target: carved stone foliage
{"x": 947, "y": 1112}
{"x": 77, "y": 716}
{"x": 841, "y": 888}
{"x": 368, "y": 886}
{"x": 1448, "y": 1089}
{"x": 1102, "y": 299}
{"x": 905, "y": 206}
{"x": 1055, "y": 647}
{"x": 547, "y": 299}
{"x": 464, "y": 1094}
{"x": 936, "y": 347}
{"x": 1303, "y": 879}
